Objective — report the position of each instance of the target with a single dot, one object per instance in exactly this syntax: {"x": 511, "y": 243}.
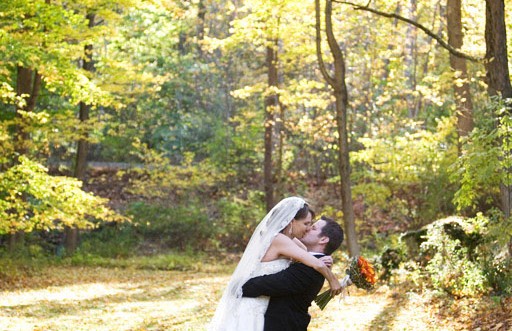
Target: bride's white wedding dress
{"x": 249, "y": 315}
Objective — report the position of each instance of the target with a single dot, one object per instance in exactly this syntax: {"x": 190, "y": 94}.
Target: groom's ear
{"x": 323, "y": 240}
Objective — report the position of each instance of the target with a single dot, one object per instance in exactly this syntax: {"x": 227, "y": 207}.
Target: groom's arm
{"x": 293, "y": 280}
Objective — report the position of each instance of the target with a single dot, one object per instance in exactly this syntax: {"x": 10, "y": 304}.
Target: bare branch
{"x": 443, "y": 43}
{"x": 330, "y": 80}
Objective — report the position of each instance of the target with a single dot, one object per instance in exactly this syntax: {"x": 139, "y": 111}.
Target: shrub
{"x": 454, "y": 262}
{"x": 406, "y": 174}
{"x": 236, "y": 220}
{"x": 495, "y": 255}
{"x": 181, "y": 227}
{"x": 110, "y": 240}
{"x": 31, "y": 199}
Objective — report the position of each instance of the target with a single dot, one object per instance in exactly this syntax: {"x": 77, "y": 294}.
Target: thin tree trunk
{"x": 462, "y": 90}
{"x": 271, "y": 104}
{"x": 83, "y": 145}
{"x": 84, "y": 110}
{"x": 201, "y": 15}
{"x": 337, "y": 82}
{"x": 391, "y": 46}
{"x": 410, "y": 62}
{"x": 280, "y": 149}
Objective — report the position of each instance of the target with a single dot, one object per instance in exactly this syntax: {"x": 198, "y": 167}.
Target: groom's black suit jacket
{"x": 291, "y": 292}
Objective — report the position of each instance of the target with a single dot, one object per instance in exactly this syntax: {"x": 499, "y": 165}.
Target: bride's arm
{"x": 327, "y": 259}
{"x": 287, "y": 247}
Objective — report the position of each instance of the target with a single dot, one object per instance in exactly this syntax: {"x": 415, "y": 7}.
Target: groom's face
{"x": 313, "y": 237}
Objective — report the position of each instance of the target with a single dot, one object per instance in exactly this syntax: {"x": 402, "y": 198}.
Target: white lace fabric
{"x": 275, "y": 221}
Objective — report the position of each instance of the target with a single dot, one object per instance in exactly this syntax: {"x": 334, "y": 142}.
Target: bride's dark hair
{"x": 303, "y": 212}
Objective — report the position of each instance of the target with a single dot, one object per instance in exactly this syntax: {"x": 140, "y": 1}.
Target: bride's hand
{"x": 327, "y": 260}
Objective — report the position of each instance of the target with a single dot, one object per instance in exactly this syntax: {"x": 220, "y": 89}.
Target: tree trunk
{"x": 28, "y": 84}
{"x": 391, "y": 47}
{"x": 201, "y": 15}
{"x": 498, "y": 79}
{"x": 15, "y": 240}
{"x": 410, "y": 62}
{"x": 83, "y": 144}
{"x": 71, "y": 233}
{"x": 271, "y": 104}
{"x": 341, "y": 101}
{"x": 280, "y": 150}
{"x": 462, "y": 92}
{"x": 70, "y": 240}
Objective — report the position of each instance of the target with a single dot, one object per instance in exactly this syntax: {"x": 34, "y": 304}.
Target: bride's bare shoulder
{"x": 277, "y": 246}
{"x": 281, "y": 239}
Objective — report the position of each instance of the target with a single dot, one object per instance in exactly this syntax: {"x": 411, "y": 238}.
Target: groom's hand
{"x": 327, "y": 260}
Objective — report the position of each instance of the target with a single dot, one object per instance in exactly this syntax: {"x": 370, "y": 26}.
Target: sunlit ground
{"x": 116, "y": 299}
{"x": 109, "y": 299}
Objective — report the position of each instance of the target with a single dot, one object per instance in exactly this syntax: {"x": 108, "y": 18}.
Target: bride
{"x": 272, "y": 247}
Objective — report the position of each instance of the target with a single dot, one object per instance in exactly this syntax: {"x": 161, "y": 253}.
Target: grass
{"x": 140, "y": 294}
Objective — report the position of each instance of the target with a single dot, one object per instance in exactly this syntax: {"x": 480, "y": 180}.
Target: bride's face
{"x": 301, "y": 226}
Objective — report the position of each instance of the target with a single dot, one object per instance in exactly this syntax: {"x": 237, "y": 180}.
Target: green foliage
{"x": 181, "y": 226}
{"x": 6, "y": 147}
{"x": 48, "y": 38}
{"x": 236, "y": 220}
{"x": 161, "y": 180}
{"x": 234, "y": 150}
{"x": 485, "y": 159}
{"x": 31, "y": 199}
{"x": 495, "y": 253}
{"x": 390, "y": 170}
{"x": 111, "y": 240}
{"x": 463, "y": 257}
{"x": 226, "y": 224}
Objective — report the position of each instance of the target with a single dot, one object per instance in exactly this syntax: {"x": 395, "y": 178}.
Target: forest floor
{"x": 93, "y": 298}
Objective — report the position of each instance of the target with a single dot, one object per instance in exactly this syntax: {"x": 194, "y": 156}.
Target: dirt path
{"x": 377, "y": 311}
{"x": 99, "y": 299}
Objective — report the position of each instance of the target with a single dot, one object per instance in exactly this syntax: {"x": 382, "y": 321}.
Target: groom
{"x": 292, "y": 290}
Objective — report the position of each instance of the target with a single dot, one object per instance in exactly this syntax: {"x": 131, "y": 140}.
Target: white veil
{"x": 275, "y": 221}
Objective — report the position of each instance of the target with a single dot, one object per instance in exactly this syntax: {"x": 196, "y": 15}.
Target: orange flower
{"x": 366, "y": 270}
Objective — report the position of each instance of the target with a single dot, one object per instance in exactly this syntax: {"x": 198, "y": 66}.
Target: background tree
{"x": 498, "y": 78}
{"x": 463, "y": 101}
{"x": 271, "y": 105}
{"x": 337, "y": 82}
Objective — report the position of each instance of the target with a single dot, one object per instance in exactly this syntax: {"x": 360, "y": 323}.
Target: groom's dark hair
{"x": 334, "y": 232}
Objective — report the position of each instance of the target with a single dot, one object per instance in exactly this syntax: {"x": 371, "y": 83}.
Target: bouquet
{"x": 360, "y": 273}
